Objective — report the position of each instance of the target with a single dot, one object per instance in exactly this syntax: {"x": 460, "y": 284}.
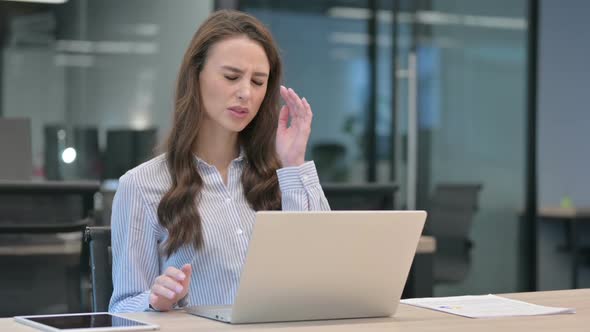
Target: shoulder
{"x": 151, "y": 179}
{"x": 153, "y": 168}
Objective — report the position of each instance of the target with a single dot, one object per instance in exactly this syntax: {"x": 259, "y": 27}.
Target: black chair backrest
{"x": 450, "y": 216}
{"x": 330, "y": 161}
{"x": 368, "y": 196}
{"x": 451, "y": 210}
{"x": 99, "y": 243}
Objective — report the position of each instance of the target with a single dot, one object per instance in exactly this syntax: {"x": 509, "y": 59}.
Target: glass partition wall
{"x": 427, "y": 94}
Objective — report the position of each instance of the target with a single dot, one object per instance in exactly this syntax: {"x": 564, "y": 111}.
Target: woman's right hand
{"x": 170, "y": 287}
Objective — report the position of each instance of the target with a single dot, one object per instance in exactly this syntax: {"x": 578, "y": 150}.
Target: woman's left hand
{"x": 291, "y": 140}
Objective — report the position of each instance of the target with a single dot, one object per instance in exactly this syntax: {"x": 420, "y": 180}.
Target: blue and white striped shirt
{"x": 227, "y": 220}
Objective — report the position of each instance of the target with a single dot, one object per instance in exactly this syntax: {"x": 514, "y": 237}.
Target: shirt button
{"x": 239, "y": 231}
{"x": 305, "y": 177}
{"x": 227, "y": 200}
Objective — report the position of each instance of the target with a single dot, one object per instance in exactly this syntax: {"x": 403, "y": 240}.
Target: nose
{"x": 244, "y": 92}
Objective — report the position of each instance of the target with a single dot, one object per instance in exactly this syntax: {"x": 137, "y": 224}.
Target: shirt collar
{"x": 241, "y": 157}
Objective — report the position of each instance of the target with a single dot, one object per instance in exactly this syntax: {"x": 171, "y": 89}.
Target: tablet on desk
{"x": 85, "y": 322}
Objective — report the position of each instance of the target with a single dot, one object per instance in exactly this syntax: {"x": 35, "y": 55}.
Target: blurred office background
{"x": 431, "y": 97}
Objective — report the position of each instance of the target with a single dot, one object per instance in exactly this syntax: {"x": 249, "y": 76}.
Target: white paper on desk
{"x": 485, "y": 306}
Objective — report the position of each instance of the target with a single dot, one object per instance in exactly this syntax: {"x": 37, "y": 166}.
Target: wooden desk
{"x": 571, "y": 217}
{"x": 406, "y": 319}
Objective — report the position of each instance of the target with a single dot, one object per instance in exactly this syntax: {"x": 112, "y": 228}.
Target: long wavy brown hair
{"x": 177, "y": 211}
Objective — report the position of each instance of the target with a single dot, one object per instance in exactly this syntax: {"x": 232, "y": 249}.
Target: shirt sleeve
{"x": 301, "y": 189}
{"x": 134, "y": 249}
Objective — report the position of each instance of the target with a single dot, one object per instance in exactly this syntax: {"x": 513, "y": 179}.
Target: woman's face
{"x": 233, "y": 82}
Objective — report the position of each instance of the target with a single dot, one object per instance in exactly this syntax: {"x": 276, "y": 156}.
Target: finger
{"x": 286, "y": 96}
{"x": 187, "y": 269}
{"x": 308, "y": 112}
{"x": 162, "y": 291}
{"x": 298, "y": 105}
{"x": 290, "y": 100}
{"x": 283, "y": 92}
{"x": 284, "y": 117}
{"x": 170, "y": 283}
{"x": 175, "y": 273}
{"x": 302, "y": 111}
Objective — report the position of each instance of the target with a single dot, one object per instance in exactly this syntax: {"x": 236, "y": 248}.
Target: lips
{"x": 237, "y": 111}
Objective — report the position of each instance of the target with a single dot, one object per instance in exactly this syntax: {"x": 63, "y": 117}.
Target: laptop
{"x": 323, "y": 265}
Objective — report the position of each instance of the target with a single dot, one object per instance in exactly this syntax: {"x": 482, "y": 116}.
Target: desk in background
{"x": 406, "y": 319}
{"x": 41, "y": 225}
{"x": 426, "y": 246}
{"x": 571, "y": 217}
{"x": 16, "y": 194}
{"x": 420, "y": 281}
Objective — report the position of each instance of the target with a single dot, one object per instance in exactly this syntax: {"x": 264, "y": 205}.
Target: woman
{"x": 181, "y": 222}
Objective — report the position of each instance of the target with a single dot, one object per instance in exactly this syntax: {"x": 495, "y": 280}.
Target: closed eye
{"x": 233, "y": 78}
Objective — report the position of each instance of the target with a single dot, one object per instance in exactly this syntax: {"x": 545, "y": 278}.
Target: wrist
{"x": 293, "y": 163}
{"x": 158, "y": 308}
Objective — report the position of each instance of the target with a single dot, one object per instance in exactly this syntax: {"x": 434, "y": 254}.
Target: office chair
{"x": 450, "y": 215}
{"x": 99, "y": 245}
{"x": 366, "y": 196}
{"x": 44, "y": 221}
{"x": 127, "y": 148}
{"x": 27, "y": 236}
{"x": 330, "y": 161}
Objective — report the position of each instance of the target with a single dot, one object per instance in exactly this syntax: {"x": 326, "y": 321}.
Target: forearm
{"x": 126, "y": 302}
